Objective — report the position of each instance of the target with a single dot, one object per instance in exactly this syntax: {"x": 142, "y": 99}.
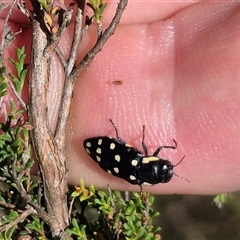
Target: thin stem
{"x": 17, "y": 220}
{"x": 69, "y": 84}
{"x": 101, "y": 41}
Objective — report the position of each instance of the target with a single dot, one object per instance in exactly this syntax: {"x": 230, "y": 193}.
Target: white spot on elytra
{"x": 100, "y": 141}
{"x": 112, "y": 146}
{"x": 147, "y": 184}
{"x": 132, "y": 177}
{"x": 99, "y": 151}
{"x": 117, "y": 158}
{"x": 134, "y": 162}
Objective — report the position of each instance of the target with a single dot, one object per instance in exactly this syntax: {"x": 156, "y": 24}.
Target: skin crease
{"x": 179, "y": 67}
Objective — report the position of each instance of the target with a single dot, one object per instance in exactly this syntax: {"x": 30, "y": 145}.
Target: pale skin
{"x": 179, "y": 69}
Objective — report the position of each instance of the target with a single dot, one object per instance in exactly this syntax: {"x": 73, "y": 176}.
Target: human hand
{"x": 180, "y": 77}
{"x": 179, "y": 67}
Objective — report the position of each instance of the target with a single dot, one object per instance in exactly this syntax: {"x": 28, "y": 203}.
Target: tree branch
{"x": 52, "y": 167}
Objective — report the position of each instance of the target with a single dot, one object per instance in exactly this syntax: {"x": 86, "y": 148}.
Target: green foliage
{"x": 21, "y": 69}
{"x": 45, "y": 4}
{"x": 15, "y": 149}
{"x": 82, "y": 192}
{"x": 221, "y": 199}
{"x": 37, "y": 226}
{"x": 117, "y": 218}
{"x": 7, "y": 235}
{"x": 10, "y": 217}
{"x": 77, "y": 230}
{"x": 98, "y": 7}
{"x": 3, "y": 84}
{"x": 15, "y": 157}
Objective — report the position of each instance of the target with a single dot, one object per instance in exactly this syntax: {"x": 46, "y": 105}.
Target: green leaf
{"x": 23, "y": 75}
{"x": 77, "y": 230}
{"x": 3, "y": 89}
{"x": 8, "y": 234}
{"x": 98, "y": 7}
{"x": 11, "y": 216}
{"x": 102, "y": 194}
{"x": 21, "y": 69}
{"x": 2, "y": 70}
{"x": 221, "y": 199}
{"x": 29, "y": 164}
{"x": 20, "y": 51}
{"x": 6, "y": 137}
{"x": 33, "y": 186}
{"x": 44, "y": 5}
{"x": 37, "y": 225}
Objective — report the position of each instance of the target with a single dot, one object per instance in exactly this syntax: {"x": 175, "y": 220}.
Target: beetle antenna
{"x": 181, "y": 177}
{"x": 179, "y": 161}
{"x": 178, "y": 175}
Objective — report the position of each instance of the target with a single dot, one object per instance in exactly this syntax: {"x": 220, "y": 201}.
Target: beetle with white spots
{"x": 124, "y": 161}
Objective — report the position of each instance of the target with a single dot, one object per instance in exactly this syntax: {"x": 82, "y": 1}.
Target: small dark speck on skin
{"x": 117, "y": 82}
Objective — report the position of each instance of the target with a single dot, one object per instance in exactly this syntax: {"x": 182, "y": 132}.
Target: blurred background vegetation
{"x": 198, "y": 217}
